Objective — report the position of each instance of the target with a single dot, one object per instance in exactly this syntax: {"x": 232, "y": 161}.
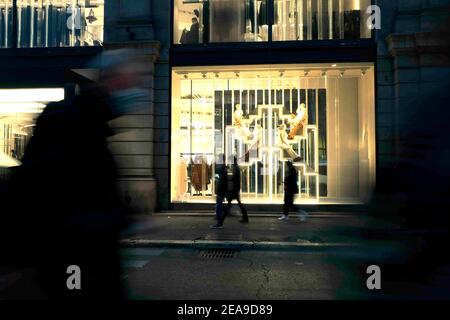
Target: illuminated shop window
{"x": 19, "y": 109}
{"x": 320, "y": 117}
{"x": 6, "y": 19}
{"x": 204, "y": 21}
{"x": 53, "y": 23}
{"x": 320, "y": 19}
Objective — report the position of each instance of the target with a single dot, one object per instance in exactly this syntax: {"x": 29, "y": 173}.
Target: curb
{"x": 252, "y": 215}
{"x": 234, "y": 245}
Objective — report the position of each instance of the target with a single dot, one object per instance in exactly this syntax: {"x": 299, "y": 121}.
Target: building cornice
{"x": 149, "y": 47}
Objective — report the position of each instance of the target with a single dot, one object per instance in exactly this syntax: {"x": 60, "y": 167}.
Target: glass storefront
{"x": 19, "y": 109}
{"x": 205, "y": 21}
{"x": 319, "y": 116}
{"x": 320, "y": 19}
{"x": 6, "y": 23}
{"x": 53, "y": 23}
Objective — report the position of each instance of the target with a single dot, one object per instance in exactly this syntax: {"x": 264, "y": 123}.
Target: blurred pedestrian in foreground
{"x": 290, "y": 190}
{"x": 221, "y": 190}
{"x": 234, "y": 189}
{"x": 67, "y": 183}
{"x": 416, "y": 191}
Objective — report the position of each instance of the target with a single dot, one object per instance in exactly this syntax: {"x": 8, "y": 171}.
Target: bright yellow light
{"x": 31, "y": 95}
{"x": 21, "y": 107}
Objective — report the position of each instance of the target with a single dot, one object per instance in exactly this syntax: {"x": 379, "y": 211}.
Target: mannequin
{"x": 255, "y": 143}
{"x": 242, "y": 130}
{"x": 298, "y": 122}
{"x": 283, "y": 143}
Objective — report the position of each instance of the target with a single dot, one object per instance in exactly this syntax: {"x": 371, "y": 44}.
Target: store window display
{"x": 53, "y": 23}
{"x": 320, "y": 117}
{"x": 6, "y": 25}
{"x": 320, "y": 19}
{"x": 220, "y": 21}
{"x": 249, "y": 20}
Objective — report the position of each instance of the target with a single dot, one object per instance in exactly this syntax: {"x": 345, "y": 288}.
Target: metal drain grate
{"x": 218, "y": 254}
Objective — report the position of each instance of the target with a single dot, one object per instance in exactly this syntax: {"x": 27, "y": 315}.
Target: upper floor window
{"x": 51, "y": 23}
{"x": 206, "y": 21}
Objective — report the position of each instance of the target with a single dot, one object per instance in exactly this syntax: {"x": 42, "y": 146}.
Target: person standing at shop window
{"x": 290, "y": 190}
{"x": 221, "y": 191}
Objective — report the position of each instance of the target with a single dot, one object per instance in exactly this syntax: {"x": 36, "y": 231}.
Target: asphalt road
{"x": 189, "y": 274}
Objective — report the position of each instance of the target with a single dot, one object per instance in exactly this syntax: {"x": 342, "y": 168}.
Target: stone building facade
{"x": 411, "y": 59}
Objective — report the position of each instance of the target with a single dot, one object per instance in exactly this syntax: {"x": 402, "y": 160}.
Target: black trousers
{"x": 289, "y": 203}
{"x": 229, "y": 205}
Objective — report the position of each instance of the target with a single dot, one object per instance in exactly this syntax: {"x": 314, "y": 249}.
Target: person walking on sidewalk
{"x": 234, "y": 189}
{"x": 290, "y": 190}
{"x": 221, "y": 191}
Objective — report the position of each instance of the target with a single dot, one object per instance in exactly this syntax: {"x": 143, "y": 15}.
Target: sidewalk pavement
{"x": 320, "y": 231}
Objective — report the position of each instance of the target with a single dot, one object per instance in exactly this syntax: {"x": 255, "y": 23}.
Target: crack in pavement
{"x": 266, "y": 272}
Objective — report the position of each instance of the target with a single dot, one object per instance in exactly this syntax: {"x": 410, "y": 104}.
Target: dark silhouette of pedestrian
{"x": 290, "y": 190}
{"x": 234, "y": 189}
{"x": 66, "y": 186}
{"x": 221, "y": 190}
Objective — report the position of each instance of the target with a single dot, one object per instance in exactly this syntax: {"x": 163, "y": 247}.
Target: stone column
{"x": 419, "y": 45}
{"x": 128, "y": 24}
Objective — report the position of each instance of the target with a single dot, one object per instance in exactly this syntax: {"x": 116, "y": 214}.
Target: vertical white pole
{"x": 32, "y": 24}
{"x": 6, "y": 24}
{"x": 309, "y": 23}
{"x": 47, "y": 9}
{"x": 255, "y": 23}
{"x": 19, "y": 23}
{"x": 330, "y": 19}
{"x": 320, "y": 19}
{"x": 301, "y": 26}
{"x": 341, "y": 19}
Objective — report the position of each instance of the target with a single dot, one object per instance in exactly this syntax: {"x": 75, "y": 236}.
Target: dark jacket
{"x": 291, "y": 181}
{"x": 235, "y": 188}
{"x": 221, "y": 186}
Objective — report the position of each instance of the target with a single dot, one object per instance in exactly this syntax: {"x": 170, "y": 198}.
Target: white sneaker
{"x": 302, "y": 215}
{"x": 283, "y": 217}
